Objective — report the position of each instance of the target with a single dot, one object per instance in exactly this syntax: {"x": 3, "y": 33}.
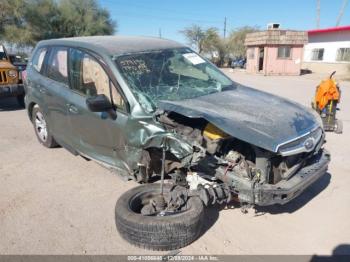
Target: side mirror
{"x": 100, "y": 103}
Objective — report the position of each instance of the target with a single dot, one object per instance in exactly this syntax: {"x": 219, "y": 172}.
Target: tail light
{"x": 24, "y": 75}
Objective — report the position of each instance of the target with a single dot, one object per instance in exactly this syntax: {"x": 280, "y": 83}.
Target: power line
{"x": 225, "y": 28}
{"x": 341, "y": 12}
{"x": 318, "y": 13}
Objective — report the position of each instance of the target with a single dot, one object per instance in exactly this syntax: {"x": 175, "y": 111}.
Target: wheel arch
{"x": 30, "y": 110}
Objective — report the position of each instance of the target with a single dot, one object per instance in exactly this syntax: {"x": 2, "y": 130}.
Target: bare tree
{"x": 194, "y": 36}
{"x": 209, "y": 41}
{"x": 236, "y": 40}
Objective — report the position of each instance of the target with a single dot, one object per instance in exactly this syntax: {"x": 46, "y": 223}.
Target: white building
{"x": 328, "y": 50}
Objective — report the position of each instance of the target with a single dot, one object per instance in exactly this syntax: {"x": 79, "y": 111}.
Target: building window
{"x": 284, "y": 52}
{"x": 317, "y": 54}
{"x": 251, "y": 53}
{"x": 343, "y": 54}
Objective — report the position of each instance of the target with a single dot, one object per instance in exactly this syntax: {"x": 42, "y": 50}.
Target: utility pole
{"x": 160, "y": 32}
{"x": 225, "y": 27}
{"x": 341, "y": 12}
{"x": 318, "y": 13}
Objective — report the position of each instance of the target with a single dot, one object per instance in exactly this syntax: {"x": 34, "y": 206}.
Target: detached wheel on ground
{"x": 41, "y": 128}
{"x": 157, "y": 231}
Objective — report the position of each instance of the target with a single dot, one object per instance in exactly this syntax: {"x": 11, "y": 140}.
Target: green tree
{"x": 84, "y": 18}
{"x": 236, "y": 40}
{"x": 30, "y": 21}
{"x": 11, "y": 18}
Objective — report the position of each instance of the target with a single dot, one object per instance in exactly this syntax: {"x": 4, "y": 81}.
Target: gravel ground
{"x": 52, "y": 202}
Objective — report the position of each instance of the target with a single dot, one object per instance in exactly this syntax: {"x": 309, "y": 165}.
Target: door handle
{"x": 72, "y": 109}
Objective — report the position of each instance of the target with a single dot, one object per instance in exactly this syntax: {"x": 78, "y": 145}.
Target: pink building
{"x": 275, "y": 52}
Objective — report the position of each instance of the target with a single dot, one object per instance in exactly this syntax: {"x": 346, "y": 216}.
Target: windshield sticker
{"x": 134, "y": 66}
{"x": 194, "y": 58}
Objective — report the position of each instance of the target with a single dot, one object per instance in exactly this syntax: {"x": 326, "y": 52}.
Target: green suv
{"x": 153, "y": 109}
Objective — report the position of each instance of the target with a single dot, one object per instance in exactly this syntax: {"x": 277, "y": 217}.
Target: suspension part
{"x": 212, "y": 194}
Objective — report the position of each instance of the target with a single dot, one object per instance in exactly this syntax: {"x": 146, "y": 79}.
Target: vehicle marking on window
{"x": 135, "y": 66}
{"x": 194, "y": 58}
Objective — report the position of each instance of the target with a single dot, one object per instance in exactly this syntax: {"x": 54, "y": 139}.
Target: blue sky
{"x": 148, "y": 17}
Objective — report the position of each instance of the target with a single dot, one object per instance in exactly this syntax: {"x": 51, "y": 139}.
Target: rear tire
{"x": 42, "y": 130}
{"x": 157, "y": 232}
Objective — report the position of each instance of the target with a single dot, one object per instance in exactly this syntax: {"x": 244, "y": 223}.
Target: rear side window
{"x": 38, "y": 59}
{"x": 57, "y": 65}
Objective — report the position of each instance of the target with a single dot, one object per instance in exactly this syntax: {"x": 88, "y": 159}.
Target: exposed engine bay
{"x": 220, "y": 166}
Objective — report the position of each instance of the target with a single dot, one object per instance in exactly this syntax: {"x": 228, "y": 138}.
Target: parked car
{"x": 11, "y": 84}
{"x": 239, "y": 63}
{"x": 152, "y": 108}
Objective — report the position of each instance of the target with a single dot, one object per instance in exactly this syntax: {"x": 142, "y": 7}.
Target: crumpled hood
{"x": 250, "y": 115}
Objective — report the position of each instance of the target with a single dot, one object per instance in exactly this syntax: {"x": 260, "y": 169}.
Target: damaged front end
{"x": 218, "y": 167}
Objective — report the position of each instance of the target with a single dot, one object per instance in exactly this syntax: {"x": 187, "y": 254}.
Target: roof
{"x": 116, "y": 45}
{"x": 276, "y": 37}
{"x": 329, "y": 30}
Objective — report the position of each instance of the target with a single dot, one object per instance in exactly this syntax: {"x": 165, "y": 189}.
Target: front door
{"x": 95, "y": 135}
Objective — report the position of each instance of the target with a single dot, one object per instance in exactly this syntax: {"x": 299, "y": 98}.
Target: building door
{"x": 261, "y": 58}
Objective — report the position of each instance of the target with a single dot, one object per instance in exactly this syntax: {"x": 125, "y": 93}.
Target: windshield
{"x": 171, "y": 74}
{"x": 16, "y": 59}
{"x": 2, "y": 53}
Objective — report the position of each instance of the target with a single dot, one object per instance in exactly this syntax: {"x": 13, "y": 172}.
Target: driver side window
{"x": 90, "y": 79}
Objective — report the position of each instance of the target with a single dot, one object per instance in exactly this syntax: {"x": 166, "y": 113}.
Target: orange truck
{"x": 11, "y": 84}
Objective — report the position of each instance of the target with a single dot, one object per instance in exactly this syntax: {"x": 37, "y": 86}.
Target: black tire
{"x": 49, "y": 142}
{"x": 20, "y": 101}
{"x": 157, "y": 232}
{"x": 338, "y": 126}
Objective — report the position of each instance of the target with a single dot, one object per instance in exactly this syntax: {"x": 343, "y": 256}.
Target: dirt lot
{"x": 52, "y": 202}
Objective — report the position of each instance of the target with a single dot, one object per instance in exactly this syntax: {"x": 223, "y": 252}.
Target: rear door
{"x": 36, "y": 78}
{"x": 94, "y": 134}
{"x": 56, "y": 90}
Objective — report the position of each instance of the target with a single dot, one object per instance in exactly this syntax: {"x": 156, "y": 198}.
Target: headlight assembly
{"x": 12, "y": 73}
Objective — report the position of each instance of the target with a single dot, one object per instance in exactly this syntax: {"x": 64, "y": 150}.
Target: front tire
{"x": 157, "y": 232}
{"x": 41, "y": 129}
